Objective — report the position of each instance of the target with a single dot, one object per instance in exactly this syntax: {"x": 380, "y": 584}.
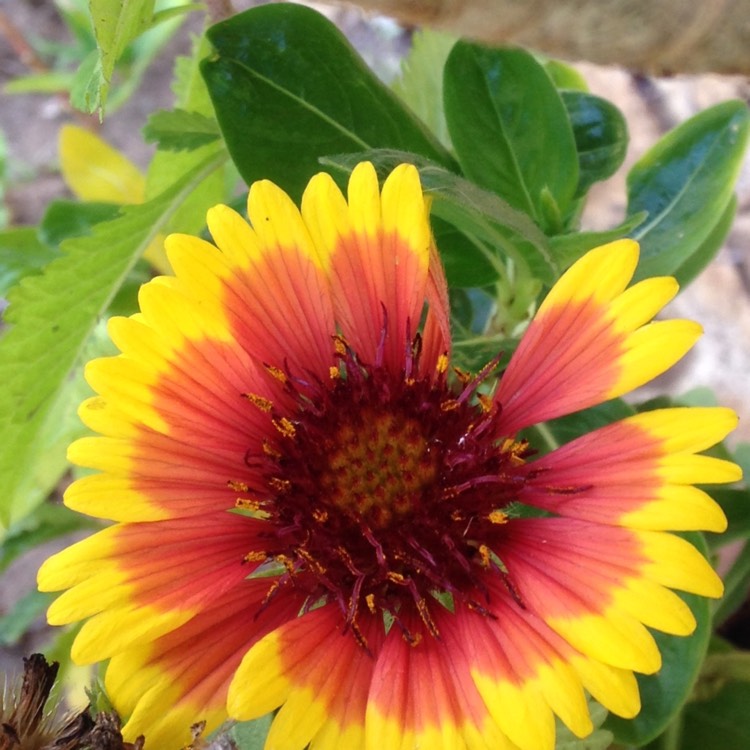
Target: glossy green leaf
{"x": 420, "y": 84}
{"x": 180, "y": 130}
{"x": 709, "y": 247}
{"x": 510, "y": 129}
{"x": 568, "y": 248}
{"x": 21, "y": 253}
{"x": 565, "y": 76}
{"x": 601, "y": 137}
{"x": 465, "y": 258}
{"x": 288, "y": 88}
{"x": 52, "y": 315}
{"x": 736, "y": 506}
{"x": 736, "y": 585}
{"x": 720, "y": 723}
{"x": 663, "y": 694}
{"x": 685, "y": 182}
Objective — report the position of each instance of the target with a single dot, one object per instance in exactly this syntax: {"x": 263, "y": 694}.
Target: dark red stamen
{"x": 385, "y": 491}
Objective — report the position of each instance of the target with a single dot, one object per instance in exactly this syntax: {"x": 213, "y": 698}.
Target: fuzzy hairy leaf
{"x": 52, "y": 315}
{"x": 180, "y": 130}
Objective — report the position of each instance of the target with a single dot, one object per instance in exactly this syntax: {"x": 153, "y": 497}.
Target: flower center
{"x": 378, "y": 466}
{"x": 382, "y": 491}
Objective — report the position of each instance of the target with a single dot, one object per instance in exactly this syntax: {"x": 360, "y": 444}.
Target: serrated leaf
{"x": 663, "y": 694}
{"x": 288, "y": 88}
{"x": 52, "y": 315}
{"x": 21, "y": 253}
{"x": 116, "y": 23}
{"x": 510, "y": 129}
{"x": 180, "y": 130}
{"x": 169, "y": 166}
{"x": 685, "y": 182}
{"x": 64, "y": 219}
{"x": 420, "y": 84}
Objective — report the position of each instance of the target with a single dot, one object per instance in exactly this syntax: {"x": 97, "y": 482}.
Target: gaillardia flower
{"x": 314, "y": 513}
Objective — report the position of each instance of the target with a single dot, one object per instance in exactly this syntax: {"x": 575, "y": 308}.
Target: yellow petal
{"x": 95, "y": 171}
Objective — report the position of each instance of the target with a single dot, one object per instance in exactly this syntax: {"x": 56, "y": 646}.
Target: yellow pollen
{"x": 497, "y": 516}
{"x": 237, "y": 486}
{"x": 321, "y": 516}
{"x": 370, "y": 601}
{"x": 339, "y": 345}
{"x": 269, "y": 450}
{"x": 485, "y": 555}
{"x": 246, "y": 503}
{"x": 442, "y": 364}
{"x": 255, "y": 556}
{"x": 280, "y": 375}
{"x": 463, "y": 376}
{"x": 485, "y": 402}
{"x": 285, "y": 427}
{"x": 450, "y": 404}
{"x": 279, "y": 484}
{"x": 261, "y": 403}
{"x": 395, "y": 577}
{"x": 334, "y": 372}
{"x": 515, "y": 450}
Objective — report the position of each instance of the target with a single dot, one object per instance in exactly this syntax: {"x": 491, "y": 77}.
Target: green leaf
{"x": 565, "y": 76}
{"x": 664, "y": 693}
{"x": 116, "y": 24}
{"x": 251, "y": 735}
{"x": 64, "y": 219}
{"x": 495, "y": 228}
{"x": 568, "y": 248}
{"x": 420, "y": 84}
{"x": 685, "y": 182}
{"x": 20, "y": 618}
{"x": 510, "y": 129}
{"x": 180, "y": 130}
{"x": 721, "y": 723}
{"x": 40, "y": 83}
{"x": 599, "y": 739}
{"x": 288, "y": 88}
{"x": 709, "y": 247}
{"x": 736, "y": 583}
{"x": 48, "y": 521}
{"x": 736, "y": 506}
{"x": 21, "y": 253}
{"x": 601, "y": 137}
{"x": 50, "y": 318}
{"x": 167, "y": 167}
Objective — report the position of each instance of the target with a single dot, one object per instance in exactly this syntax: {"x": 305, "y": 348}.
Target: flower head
{"x": 314, "y": 511}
